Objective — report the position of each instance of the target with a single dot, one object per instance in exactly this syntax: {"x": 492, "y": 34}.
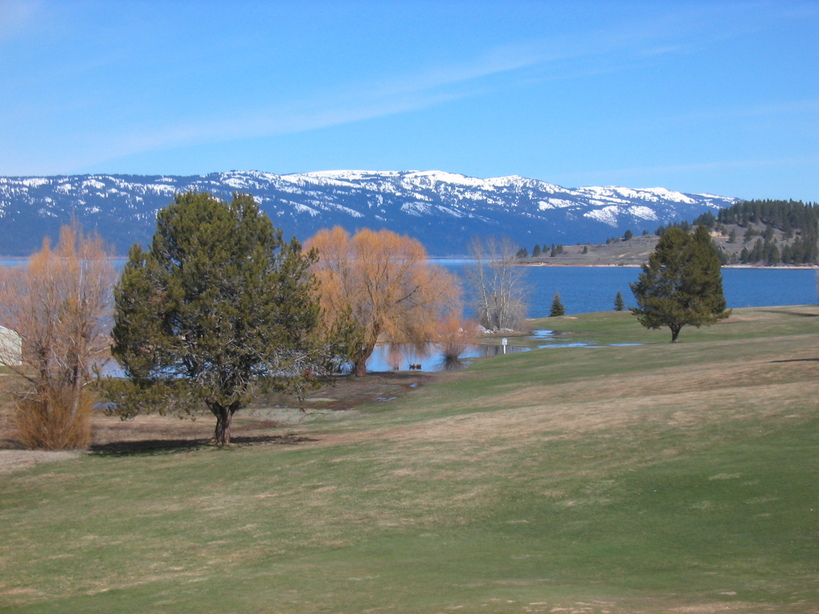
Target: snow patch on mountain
{"x": 606, "y": 215}
{"x": 642, "y": 212}
{"x": 416, "y": 208}
{"x": 305, "y": 209}
{"x": 555, "y": 203}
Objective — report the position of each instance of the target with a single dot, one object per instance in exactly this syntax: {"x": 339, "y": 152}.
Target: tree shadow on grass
{"x": 791, "y": 312}
{"x": 174, "y": 446}
{"x": 797, "y": 360}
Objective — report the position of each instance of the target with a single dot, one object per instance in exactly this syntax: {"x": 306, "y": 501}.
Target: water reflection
{"x": 554, "y": 339}
{"x": 430, "y": 357}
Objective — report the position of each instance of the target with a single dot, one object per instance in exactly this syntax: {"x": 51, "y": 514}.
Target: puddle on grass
{"x": 554, "y": 339}
{"x": 543, "y": 333}
{"x": 430, "y": 356}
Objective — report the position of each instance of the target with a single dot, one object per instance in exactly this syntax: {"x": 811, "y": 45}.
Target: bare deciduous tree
{"x": 498, "y": 286}
{"x": 383, "y": 284}
{"x": 454, "y": 337}
{"x": 58, "y": 304}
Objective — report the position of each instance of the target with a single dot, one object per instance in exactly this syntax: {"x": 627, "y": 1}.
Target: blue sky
{"x": 716, "y": 97}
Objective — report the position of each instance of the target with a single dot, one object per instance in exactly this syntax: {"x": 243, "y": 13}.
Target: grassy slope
{"x": 624, "y": 479}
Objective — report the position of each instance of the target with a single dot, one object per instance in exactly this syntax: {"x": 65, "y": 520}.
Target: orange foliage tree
{"x": 380, "y": 286}
{"x": 454, "y": 337}
{"x": 58, "y": 307}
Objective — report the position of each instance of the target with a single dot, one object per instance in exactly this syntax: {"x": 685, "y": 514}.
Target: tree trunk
{"x": 360, "y": 368}
{"x": 360, "y": 360}
{"x": 675, "y": 332}
{"x": 223, "y": 418}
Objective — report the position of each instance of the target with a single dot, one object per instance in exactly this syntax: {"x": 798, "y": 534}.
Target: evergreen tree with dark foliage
{"x": 681, "y": 283}
{"x": 557, "y": 307}
{"x": 796, "y": 220}
{"x": 707, "y": 219}
{"x": 619, "y": 305}
{"x": 219, "y": 301}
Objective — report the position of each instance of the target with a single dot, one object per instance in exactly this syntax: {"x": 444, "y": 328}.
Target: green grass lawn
{"x": 647, "y": 478}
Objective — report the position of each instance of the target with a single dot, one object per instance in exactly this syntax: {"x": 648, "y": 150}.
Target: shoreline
{"x": 602, "y": 265}
{"x": 808, "y": 267}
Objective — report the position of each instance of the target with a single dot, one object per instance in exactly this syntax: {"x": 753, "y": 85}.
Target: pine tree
{"x": 218, "y": 302}
{"x": 619, "y": 305}
{"x": 681, "y": 283}
{"x": 557, "y": 307}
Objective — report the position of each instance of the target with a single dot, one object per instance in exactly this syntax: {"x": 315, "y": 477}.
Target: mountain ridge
{"x": 441, "y": 209}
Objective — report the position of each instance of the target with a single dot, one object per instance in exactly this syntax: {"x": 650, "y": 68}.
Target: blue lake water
{"x": 430, "y": 356}
{"x": 585, "y": 289}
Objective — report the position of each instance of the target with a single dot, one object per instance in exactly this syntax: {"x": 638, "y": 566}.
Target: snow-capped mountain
{"x": 443, "y": 210}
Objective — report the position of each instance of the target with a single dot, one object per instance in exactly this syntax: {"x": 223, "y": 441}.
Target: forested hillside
{"x": 767, "y": 232}
{"x": 755, "y": 232}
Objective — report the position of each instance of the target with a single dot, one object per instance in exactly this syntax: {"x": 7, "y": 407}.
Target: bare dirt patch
{"x": 343, "y": 393}
{"x": 13, "y": 460}
{"x": 270, "y": 419}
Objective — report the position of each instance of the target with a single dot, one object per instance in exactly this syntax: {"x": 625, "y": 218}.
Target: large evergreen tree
{"x": 681, "y": 283}
{"x": 219, "y": 301}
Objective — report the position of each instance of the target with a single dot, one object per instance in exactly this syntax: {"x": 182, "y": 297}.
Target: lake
{"x": 585, "y": 289}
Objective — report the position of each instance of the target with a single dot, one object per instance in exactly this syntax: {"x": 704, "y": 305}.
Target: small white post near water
{"x": 503, "y": 343}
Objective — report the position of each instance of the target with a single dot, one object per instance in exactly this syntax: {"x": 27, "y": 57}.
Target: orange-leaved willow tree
{"x": 380, "y": 286}
{"x": 57, "y": 310}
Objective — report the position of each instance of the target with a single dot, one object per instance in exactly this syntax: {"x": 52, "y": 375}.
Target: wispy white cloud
{"x": 360, "y": 101}
{"x": 564, "y": 56}
{"x": 350, "y": 103}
